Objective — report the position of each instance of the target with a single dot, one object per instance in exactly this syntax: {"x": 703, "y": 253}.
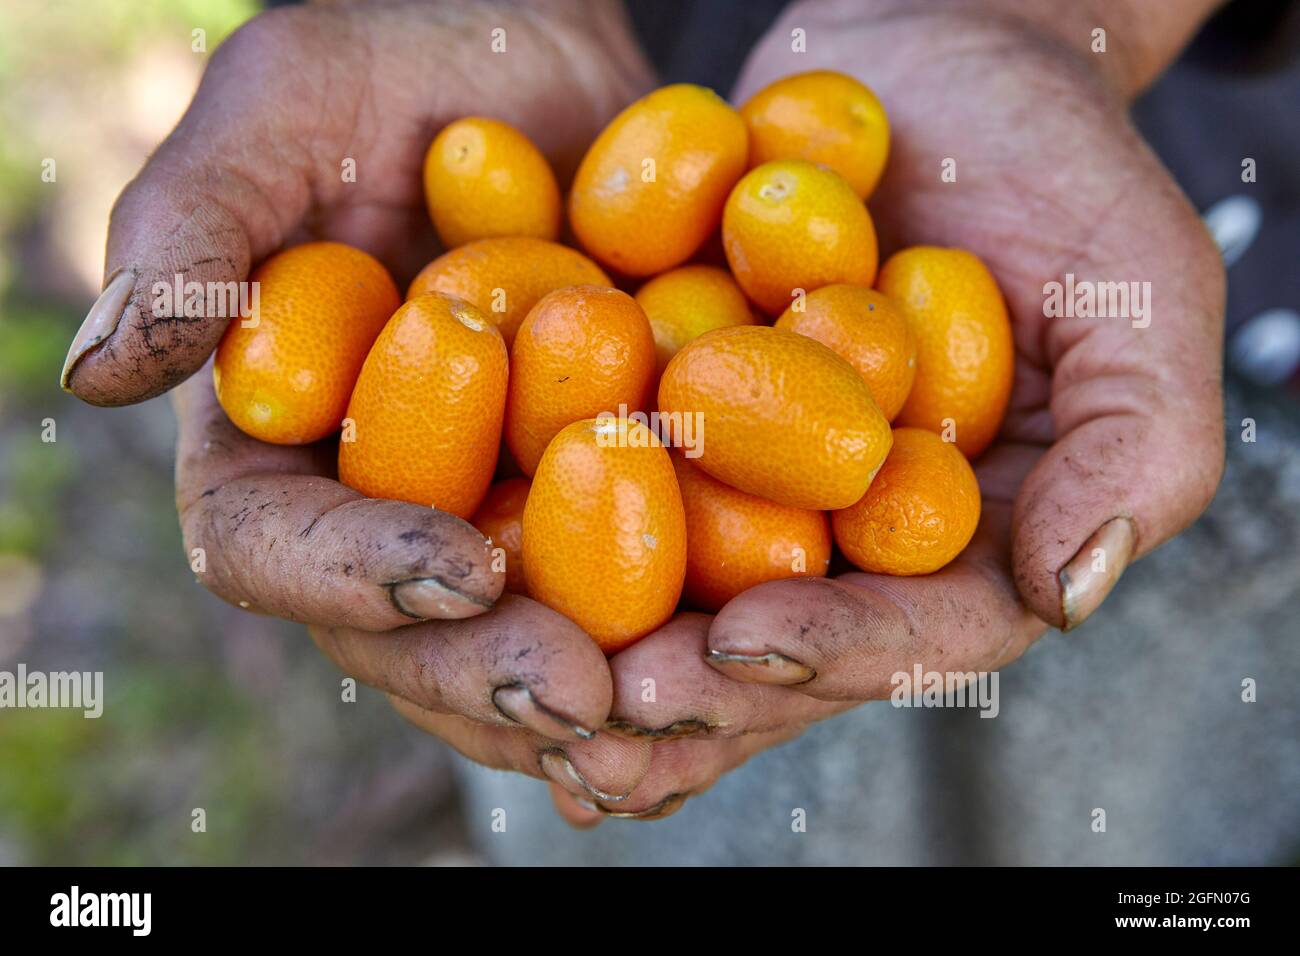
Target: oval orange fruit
{"x": 500, "y": 519}
{"x": 864, "y": 327}
{"x": 504, "y": 278}
{"x": 286, "y": 378}
{"x": 790, "y": 225}
{"x": 824, "y": 117}
{"x": 651, "y": 187}
{"x": 581, "y": 351}
{"x": 735, "y": 541}
{"x": 483, "y": 178}
{"x": 919, "y": 513}
{"x": 783, "y": 417}
{"x": 604, "y": 531}
{"x": 427, "y": 408}
{"x": 965, "y": 357}
{"x": 686, "y": 302}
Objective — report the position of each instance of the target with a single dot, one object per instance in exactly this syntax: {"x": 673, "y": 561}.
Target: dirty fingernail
{"x": 761, "y": 668}
{"x": 1089, "y": 576}
{"x": 557, "y": 766}
{"x": 428, "y": 598}
{"x": 518, "y": 703}
{"x": 100, "y": 321}
{"x": 680, "y": 728}
{"x": 664, "y": 808}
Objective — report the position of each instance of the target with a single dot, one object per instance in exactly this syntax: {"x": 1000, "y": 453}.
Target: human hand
{"x": 1114, "y": 437}
{"x": 255, "y": 164}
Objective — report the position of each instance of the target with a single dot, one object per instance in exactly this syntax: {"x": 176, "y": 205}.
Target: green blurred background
{"x": 206, "y": 706}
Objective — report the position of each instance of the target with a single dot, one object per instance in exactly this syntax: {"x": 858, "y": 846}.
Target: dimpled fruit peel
{"x": 685, "y": 379}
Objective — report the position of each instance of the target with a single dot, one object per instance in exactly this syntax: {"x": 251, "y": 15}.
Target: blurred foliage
{"x": 33, "y": 340}
{"x": 50, "y": 57}
{"x": 34, "y": 474}
{"x": 207, "y": 706}
{"x": 31, "y": 33}
{"x": 45, "y": 49}
{"x": 37, "y": 475}
{"x": 52, "y": 757}
{"x": 178, "y": 732}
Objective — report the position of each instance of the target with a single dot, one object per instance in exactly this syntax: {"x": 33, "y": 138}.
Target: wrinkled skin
{"x": 1106, "y": 420}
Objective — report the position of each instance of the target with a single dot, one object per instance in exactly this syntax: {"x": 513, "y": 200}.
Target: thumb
{"x": 1138, "y": 414}
{"x": 204, "y": 207}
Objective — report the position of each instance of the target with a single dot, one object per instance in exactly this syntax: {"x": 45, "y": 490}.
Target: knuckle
{"x": 262, "y": 42}
{"x": 1202, "y": 471}
{"x": 1205, "y": 262}
{"x": 426, "y": 673}
{"x": 199, "y": 534}
{"x": 208, "y": 528}
{"x": 124, "y": 206}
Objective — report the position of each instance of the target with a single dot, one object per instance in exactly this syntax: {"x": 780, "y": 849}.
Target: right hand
{"x": 399, "y": 596}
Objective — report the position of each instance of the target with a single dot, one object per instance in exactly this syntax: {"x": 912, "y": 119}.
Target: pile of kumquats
{"x": 713, "y": 387}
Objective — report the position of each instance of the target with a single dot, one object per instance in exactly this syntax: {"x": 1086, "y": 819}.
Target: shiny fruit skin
{"x": 965, "y": 358}
{"x": 920, "y": 512}
{"x": 500, "y": 519}
{"x": 522, "y": 269}
{"x": 604, "y": 531}
{"x": 320, "y": 307}
{"x": 428, "y": 408}
{"x": 735, "y": 541}
{"x": 688, "y": 301}
{"x": 484, "y": 179}
{"x": 581, "y": 351}
{"x": 868, "y": 330}
{"x": 791, "y": 225}
{"x": 699, "y": 148}
{"x": 784, "y": 417}
{"x": 824, "y": 117}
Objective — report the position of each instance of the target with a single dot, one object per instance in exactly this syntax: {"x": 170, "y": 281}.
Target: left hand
{"x": 1114, "y": 437}
{"x": 401, "y": 596}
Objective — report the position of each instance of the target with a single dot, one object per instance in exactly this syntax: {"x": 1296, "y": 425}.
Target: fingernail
{"x": 429, "y": 598}
{"x": 556, "y": 765}
{"x": 761, "y": 668}
{"x": 664, "y": 808}
{"x": 517, "y": 702}
{"x": 100, "y": 321}
{"x": 586, "y": 804}
{"x": 675, "y": 730}
{"x": 1089, "y": 576}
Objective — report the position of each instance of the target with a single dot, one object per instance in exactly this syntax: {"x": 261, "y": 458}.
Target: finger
{"x": 664, "y": 689}
{"x": 576, "y": 812}
{"x": 681, "y": 769}
{"x": 520, "y": 663}
{"x": 205, "y": 207}
{"x": 605, "y": 768}
{"x": 265, "y": 532}
{"x": 1138, "y": 413}
{"x": 845, "y": 639}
